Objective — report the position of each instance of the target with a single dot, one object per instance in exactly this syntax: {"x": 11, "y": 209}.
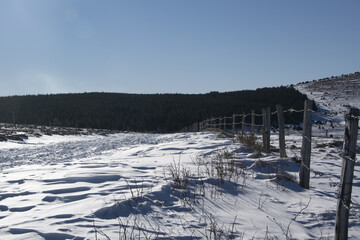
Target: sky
{"x": 173, "y": 46}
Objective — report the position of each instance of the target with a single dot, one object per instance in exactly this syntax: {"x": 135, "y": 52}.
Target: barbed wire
{"x": 346, "y": 157}
{"x": 308, "y": 168}
{"x": 249, "y": 124}
{"x": 221, "y": 121}
{"x": 343, "y": 203}
{"x": 293, "y": 110}
{"x": 305, "y": 137}
{"x": 354, "y": 117}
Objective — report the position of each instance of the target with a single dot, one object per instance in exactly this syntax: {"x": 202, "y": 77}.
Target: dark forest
{"x": 143, "y": 112}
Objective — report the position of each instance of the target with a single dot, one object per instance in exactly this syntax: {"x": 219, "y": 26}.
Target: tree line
{"x": 143, "y": 112}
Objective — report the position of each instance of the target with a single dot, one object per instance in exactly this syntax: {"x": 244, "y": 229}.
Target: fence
{"x": 348, "y": 154}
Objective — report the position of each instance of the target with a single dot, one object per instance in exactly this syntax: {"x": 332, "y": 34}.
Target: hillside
{"x": 141, "y": 112}
{"x": 334, "y": 95}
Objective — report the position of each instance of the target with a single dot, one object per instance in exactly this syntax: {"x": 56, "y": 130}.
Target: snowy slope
{"x": 334, "y": 95}
{"x": 86, "y": 187}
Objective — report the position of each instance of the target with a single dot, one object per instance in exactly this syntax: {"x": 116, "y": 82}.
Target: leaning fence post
{"x": 306, "y": 146}
{"x": 347, "y": 173}
{"x": 280, "y": 115}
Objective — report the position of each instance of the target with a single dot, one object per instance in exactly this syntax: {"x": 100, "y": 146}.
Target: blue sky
{"x": 173, "y": 46}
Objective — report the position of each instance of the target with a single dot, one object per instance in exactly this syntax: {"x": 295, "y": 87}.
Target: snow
{"x": 85, "y": 187}
{"x": 333, "y": 96}
{"x": 178, "y": 186}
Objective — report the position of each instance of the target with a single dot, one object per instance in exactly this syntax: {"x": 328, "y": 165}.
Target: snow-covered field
{"x": 178, "y": 186}
{"x": 86, "y": 187}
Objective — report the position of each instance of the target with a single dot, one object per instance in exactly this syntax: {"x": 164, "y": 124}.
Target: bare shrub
{"x": 251, "y": 142}
{"x": 130, "y": 228}
{"x": 287, "y": 231}
{"x": 215, "y": 230}
{"x": 179, "y": 175}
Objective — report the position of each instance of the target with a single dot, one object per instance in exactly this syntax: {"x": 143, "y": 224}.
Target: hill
{"x": 334, "y": 95}
{"x": 141, "y": 112}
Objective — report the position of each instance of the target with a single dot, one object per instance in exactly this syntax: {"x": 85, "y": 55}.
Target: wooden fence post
{"x": 347, "y": 174}
{"x": 280, "y": 115}
{"x": 266, "y": 128}
{"x": 263, "y": 111}
{"x": 224, "y": 124}
{"x": 233, "y": 124}
{"x": 253, "y": 122}
{"x": 306, "y": 146}
{"x": 243, "y": 125}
